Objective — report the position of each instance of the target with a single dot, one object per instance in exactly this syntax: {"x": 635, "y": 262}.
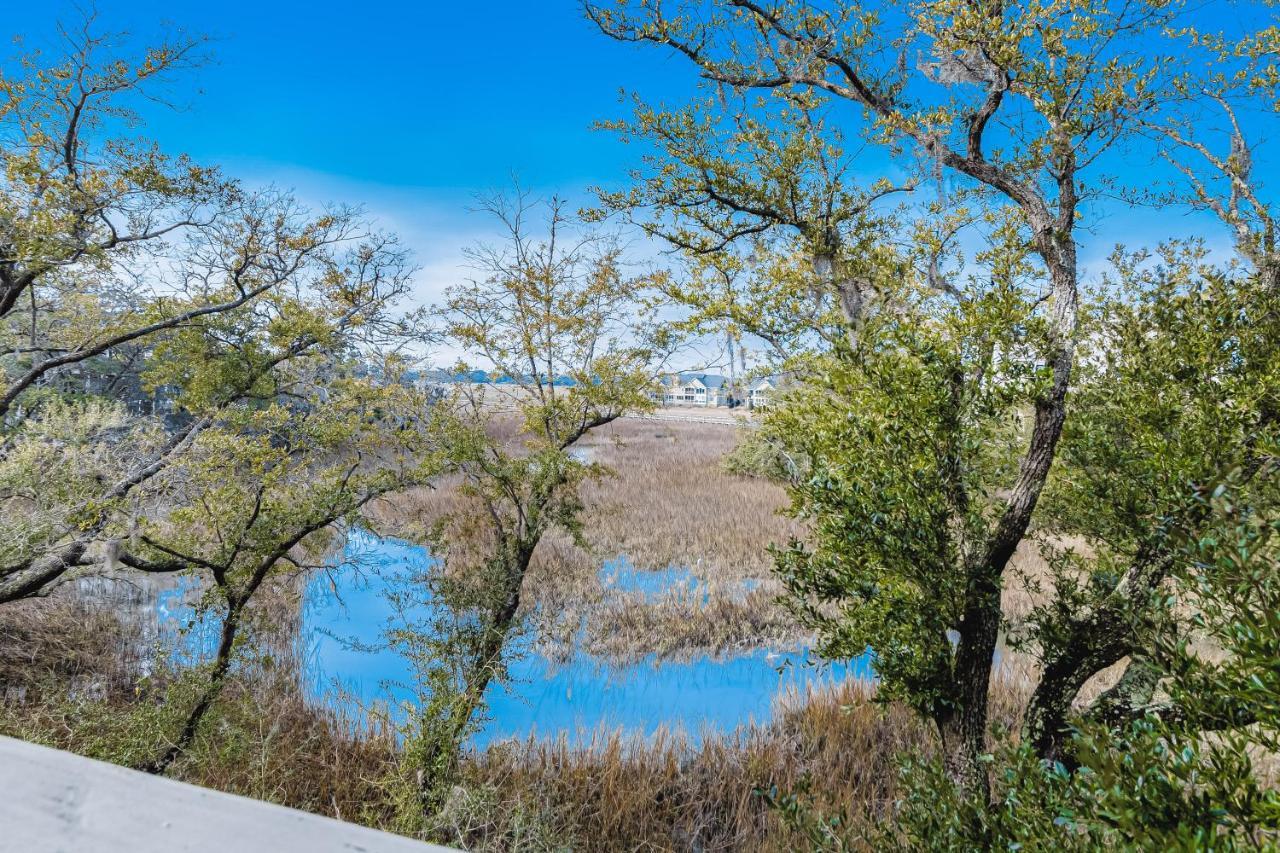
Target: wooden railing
{"x": 57, "y": 801}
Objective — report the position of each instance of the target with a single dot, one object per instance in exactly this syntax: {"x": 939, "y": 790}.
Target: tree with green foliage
{"x": 114, "y": 257}
{"x": 1189, "y": 771}
{"x": 272, "y": 333}
{"x": 268, "y": 490}
{"x": 569, "y": 345}
{"x": 933, "y": 428}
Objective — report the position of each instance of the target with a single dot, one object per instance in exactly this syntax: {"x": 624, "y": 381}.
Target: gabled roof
{"x": 768, "y": 382}
{"x": 707, "y": 380}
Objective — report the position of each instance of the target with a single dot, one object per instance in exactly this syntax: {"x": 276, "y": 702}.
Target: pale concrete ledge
{"x": 57, "y": 802}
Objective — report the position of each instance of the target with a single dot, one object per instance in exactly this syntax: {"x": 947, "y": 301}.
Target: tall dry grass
{"x": 89, "y": 646}
{"x": 672, "y": 502}
{"x": 667, "y": 500}
{"x": 266, "y": 740}
{"x": 269, "y": 740}
{"x": 669, "y": 793}
{"x": 688, "y": 620}
{"x": 86, "y": 671}
{"x": 837, "y": 747}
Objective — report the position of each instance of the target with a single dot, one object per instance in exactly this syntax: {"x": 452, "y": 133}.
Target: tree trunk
{"x": 964, "y": 728}
{"x": 217, "y": 678}
{"x": 1045, "y": 728}
{"x": 439, "y": 758}
{"x": 964, "y": 740}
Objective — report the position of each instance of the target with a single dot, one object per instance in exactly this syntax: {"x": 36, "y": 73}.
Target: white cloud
{"x": 435, "y": 224}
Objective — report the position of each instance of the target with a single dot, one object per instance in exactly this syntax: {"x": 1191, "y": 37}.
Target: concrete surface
{"x": 55, "y": 802}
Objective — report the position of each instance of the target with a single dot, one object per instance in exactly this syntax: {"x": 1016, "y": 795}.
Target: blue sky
{"x": 447, "y": 96}
{"x": 409, "y": 108}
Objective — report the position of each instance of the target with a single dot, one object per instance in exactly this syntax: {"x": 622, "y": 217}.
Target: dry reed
{"x": 666, "y": 500}
{"x": 267, "y": 739}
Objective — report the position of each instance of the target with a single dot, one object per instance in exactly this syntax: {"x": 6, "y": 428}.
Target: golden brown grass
{"x": 666, "y": 501}
{"x": 835, "y": 746}
{"x": 627, "y": 625}
{"x": 267, "y": 740}
{"x": 673, "y": 503}
{"x": 83, "y": 673}
{"x": 665, "y": 793}
{"x": 88, "y": 643}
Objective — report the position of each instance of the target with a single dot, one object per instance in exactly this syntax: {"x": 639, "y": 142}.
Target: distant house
{"x": 693, "y": 389}
{"x": 761, "y": 391}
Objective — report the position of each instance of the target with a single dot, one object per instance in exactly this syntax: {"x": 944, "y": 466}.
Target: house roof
{"x": 770, "y": 381}
{"x": 708, "y": 380}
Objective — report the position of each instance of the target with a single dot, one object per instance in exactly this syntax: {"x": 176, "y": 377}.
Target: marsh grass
{"x": 665, "y": 499}
{"x": 672, "y": 501}
{"x": 667, "y": 792}
{"x": 835, "y": 747}
{"x": 79, "y": 672}
{"x": 678, "y": 623}
{"x": 85, "y": 645}
{"x": 84, "y": 673}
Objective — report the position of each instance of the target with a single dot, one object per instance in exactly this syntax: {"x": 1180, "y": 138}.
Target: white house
{"x": 761, "y": 390}
{"x": 693, "y": 389}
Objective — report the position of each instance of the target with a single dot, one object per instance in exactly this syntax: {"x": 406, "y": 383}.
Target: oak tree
{"x": 931, "y": 431}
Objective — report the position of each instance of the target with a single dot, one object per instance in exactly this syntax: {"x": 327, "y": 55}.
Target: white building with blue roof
{"x": 694, "y": 389}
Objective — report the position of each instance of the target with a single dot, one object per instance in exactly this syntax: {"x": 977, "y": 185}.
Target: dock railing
{"x": 58, "y": 802}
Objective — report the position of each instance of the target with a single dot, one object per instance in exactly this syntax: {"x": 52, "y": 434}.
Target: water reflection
{"x": 542, "y": 698}
{"x": 620, "y": 576}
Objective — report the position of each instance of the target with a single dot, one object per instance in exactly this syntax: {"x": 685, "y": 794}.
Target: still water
{"x": 576, "y": 698}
